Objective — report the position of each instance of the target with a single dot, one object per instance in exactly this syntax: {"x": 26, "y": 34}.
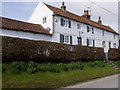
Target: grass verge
{"x": 54, "y": 80}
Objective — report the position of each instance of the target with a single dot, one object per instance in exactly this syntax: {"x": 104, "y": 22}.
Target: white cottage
{"x": 53, "y": 24}
{"x": 70, "y": 28}
{"x": 24, "y": 30}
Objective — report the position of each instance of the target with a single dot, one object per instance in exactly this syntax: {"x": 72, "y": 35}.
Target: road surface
{"x": 106, "y": 82}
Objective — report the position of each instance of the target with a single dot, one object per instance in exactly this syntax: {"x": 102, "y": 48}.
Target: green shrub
{"x": 41, "y": 68}
{"x": 64, "y": 67}
{"x": 32, "y": 67}
{"x": 91, "y": 64}
{"x": 15, "y": 67}
{"x": 96, "y": 63}
{"x": 79, "y": 65}
{"x": 72, "y": 65}
{"x": 99, "y": 63}
{"x": 23, "y": 66}
{"x": 52, "y": 68}
{"x": 75, "y": 65}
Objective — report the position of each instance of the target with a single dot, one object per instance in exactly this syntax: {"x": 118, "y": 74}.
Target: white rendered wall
{"x": 74, "y": 32}
{"x": 25, "y": 35}
{"x": 39, "y": 13}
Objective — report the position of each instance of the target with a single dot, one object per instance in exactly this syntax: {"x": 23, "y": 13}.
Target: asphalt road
{"x": 106, "y": 82}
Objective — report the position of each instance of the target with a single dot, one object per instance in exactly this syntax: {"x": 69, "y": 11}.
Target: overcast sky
{"x": 107, "y": 9}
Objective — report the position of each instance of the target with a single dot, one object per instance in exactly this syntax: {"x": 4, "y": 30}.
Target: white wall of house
{"x": 97, "y": 36}
{"x": 54, "y": 23}
{"x": 40, "y": 13}
{"x": 25, "y": 35}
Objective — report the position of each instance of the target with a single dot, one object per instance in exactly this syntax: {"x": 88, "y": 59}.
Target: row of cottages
{"x": 53, "y": 24}
{"x": 69, "y": 28}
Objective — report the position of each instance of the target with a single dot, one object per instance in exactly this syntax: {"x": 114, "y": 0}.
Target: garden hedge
{"x": 15, "y": 49}
{"x": 114, "y": 54}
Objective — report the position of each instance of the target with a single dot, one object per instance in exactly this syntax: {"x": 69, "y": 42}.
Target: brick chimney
{"x": 63, "y": 7}
{"x": 86, "y": 14}
{"x": 99, "y": 21}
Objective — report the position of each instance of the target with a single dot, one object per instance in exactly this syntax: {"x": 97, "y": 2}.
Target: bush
{"x": 32, "y": 67}
{"x": 75, "y": 65}
{"x": 15, "y": 67}
{"x": 91, "y": 64}
{"x": 13, "y": 47}
{"x": 79, "y": 65}
{"x": 41, "y": 68}
{"x": 99, "y": 64}
{"x": 23, "y": 66}
{"x": 64, "y": 67}
{"x": 52, "y": 68}
{"x": 96, "y": 63}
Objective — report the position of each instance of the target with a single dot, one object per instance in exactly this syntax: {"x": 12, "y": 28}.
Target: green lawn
{"x": 54, "y": 80}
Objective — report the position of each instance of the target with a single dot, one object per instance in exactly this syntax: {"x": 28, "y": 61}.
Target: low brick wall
{"x": 15, "y": 49}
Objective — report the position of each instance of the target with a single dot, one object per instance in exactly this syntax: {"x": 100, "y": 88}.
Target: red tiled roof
{"x": 22, "y": 26}
{"x": 81, "y": 19}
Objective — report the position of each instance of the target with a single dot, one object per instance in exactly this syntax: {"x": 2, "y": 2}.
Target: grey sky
{"x": 23, "y": 10}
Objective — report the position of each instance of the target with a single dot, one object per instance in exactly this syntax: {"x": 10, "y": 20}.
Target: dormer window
{"x": 44, "y": 20}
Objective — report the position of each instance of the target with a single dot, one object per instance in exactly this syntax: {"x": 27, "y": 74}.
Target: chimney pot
{"x": 86, "y": 14}
{"x": 99, "y": 21}
{"x": 63, "y": 7}
{"x": 63, "y": 3}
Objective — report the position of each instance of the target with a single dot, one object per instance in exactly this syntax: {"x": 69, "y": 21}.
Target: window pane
{"x": 69, "y": 24}
{"x": 62, "y": 22}
{"x": 70, "y": 39}
{"x": 109, "y": 44}
{"x": 93, "y": 43}
{"x": 79, "y": 40}
{"x": 88, "y": 28}
{"x": 103, "y": 33}
{"x": 87, "y": 42}
{"x": 92, "y": 30}
{"x": 61, "y": 38}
